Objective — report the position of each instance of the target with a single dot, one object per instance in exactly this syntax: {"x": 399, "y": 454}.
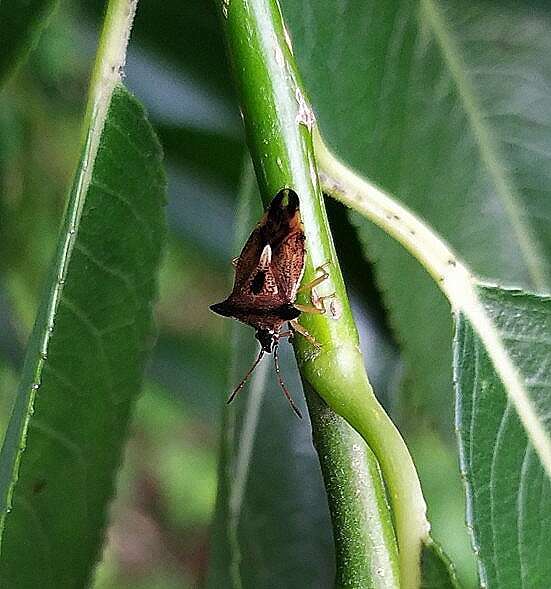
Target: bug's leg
{"x": 235, "y": 261}
{"x": 299, "y": 329}
{"x": 329, "y": 304}
{"x": 288, "y": 333}
{"x": 313, "y": 283}
{"x": 282, "y": 384}
{"x": 309, "y": 309}
{"x": 319, "y": 303}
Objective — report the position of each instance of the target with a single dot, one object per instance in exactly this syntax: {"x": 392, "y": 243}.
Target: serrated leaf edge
{"x": 107, "y": 75}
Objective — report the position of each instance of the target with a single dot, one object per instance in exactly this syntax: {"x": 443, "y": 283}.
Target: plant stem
{"x": 450, "y": 274}
{"x": 361, "y": 517}
{"x": 279, "y": 123}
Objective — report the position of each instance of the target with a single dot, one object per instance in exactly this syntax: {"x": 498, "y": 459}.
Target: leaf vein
{"x": 487, "y": 144}
{"x": 127, "y": 203}
{"x": 94, "y": 332}
{"x": 151, "y": 165}
{"x": 500, "y": 440}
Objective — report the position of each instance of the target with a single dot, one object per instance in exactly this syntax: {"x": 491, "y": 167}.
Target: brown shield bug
{"x": 268, "y": 273}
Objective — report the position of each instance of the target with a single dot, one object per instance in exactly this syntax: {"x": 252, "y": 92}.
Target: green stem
{"x": 365, "y": 545}
{"x": 110, "y": 60}
{"x": 106, "y": 75}
{"x": 448, "y": 271}
{"x": 279, "y": 124}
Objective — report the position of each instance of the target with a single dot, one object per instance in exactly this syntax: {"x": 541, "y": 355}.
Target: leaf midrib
{"x": 431, "y": 16}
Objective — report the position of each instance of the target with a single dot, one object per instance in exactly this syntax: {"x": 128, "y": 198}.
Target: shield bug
{"x": 268, "y": 273}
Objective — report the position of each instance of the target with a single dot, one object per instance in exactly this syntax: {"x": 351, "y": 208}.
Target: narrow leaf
{"x": 86, "y": 354}
{"x": 84, "y": 363}
{"x": 508, "y": 491}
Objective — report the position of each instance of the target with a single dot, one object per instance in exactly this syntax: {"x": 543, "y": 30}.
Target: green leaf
{"x": 443, "y": 105}
{"x": 438, "y": 103}
{"x": 490, "y": 312}
{"x": 438, "y": 571}
{"x": 21, "y": 22}
{"x": 8, "y": 384}
{"x": 85, "y": 359}
{"x": 270, "y": 528}
{"x": 64, "y": 441}
{"x": 198, "y": 149}
{"x": 508, "y": 491}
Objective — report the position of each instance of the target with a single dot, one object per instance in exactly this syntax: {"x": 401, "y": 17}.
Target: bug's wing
{"x": 288, "y": 264}
{"x": 248, "y": 259}
{"x": 281, "y": 220}
{"x": 261, "y": 290}
{"x": 286, "y": 236}
{"x": 255, "y": 284}
{"x": 271, "y": 263}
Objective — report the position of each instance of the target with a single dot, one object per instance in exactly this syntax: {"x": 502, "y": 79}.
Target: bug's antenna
{"x": 246, "y": 377}
{"x": 282, "y": 384}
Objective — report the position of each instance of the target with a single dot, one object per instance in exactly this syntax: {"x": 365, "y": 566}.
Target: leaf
{"x": 508, "y": 491}
{"x": 445, "y": 495}
{"x": 438, "y": 572}
{"x": 85, "y": 360}
{"x": 439, "y": 104}
{"x": 266, "y": 457}
{"x": 202, "y": 63}
{"x": 490, "y": 312}
{"x": 21, "y": 22}
{"x": 198, "y": 149}
{"x": 443, "y": 105}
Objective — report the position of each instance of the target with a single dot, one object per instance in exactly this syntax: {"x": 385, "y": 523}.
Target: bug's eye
{"x": 258, "y": 282}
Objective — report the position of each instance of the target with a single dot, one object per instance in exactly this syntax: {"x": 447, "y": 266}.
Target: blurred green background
{"x": 176, "y": 66}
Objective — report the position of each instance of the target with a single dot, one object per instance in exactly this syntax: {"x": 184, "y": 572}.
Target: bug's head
{"x": 267, "y": 339}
